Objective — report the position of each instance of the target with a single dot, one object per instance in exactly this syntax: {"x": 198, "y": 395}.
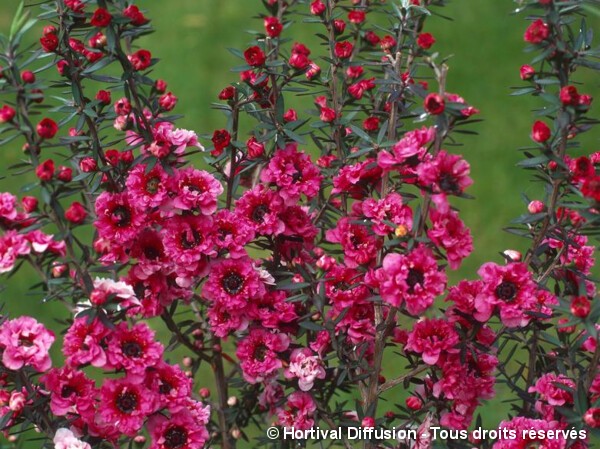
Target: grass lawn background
{"x": 486, "y": 43}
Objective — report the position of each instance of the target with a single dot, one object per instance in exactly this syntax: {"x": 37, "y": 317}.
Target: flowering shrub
{"x": 301, "y": 257}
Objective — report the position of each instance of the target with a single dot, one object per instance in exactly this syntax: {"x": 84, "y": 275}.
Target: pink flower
{"x": 181, "y": 430}
{"x": 12, "y": 245}
{"x": 553, "y": 391}
{"x": 359, "y": 245}
{"x": 258, "y": 354}
{"x": 412, "y": 279}
{"x": 511, "y": 289}
{"x": 293, "y": 173}
{"x": 65, "y": 439}
{"x": 170, "y": 385}
{"x": 233, "y": 282}
{"x": 187, "y": 239}
{"x": 196, "y": 190}
{"x": 150, "y": 188}
{"x": 388, "y": 209}
{"x": 133, "y": 350}
{"x": 305, "y": 366}
{"x": 232, "y": 232}
{"x": 300, "y": 411}
{"x": 118, "y": 217}
{"x": 8, "y": 204}
{"x": 357, "y": 179}
{"x": 431, "y": 338}
{"x": 451, "y": 234}
{"x": 84, "y": 343}
{"x": 125, "y": 404}
{"x": 70, "y": 392}
{"x": 25, "y": 342}
{"x": 414, "y": 143}
{"x": 261, "y": 206}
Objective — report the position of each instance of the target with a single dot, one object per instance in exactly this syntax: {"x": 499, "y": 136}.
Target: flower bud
{"x": 536, "y": 207}
{"x": 526, "y": 72}
{"x": 580, "y": 306}
{"x": 414, "y": 403}
{"x": 232, "y": 401}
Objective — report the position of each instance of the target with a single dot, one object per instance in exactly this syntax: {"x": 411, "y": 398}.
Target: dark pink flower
{"x": 196, "y": 190}
{"x": 359, "y": 245}
{"x": 413, "y": 279}
{"x": 258, "y": 354}
{"x": 306, "y": 367}
{"x": 133, "y": 349}
{"x": 149, "y": 188}
{"x": 450, "y": 233}
{"x": 261, "y": 206}
{"x": 181, "y": 430}
{"x": 126, "y": 404}
{"x": 85, "y": 343}
{"x": 233, "y": 282}
{"x": 118, "y": 217}
{"x": 431, "y": 338}
{"x": 71, "y": 392}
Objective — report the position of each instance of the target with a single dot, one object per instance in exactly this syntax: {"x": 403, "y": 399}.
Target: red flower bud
{"x": 28, "y": 77}
{"x": 112, "y": 156}
{"x": 254, "y": 56}
{"x": 317, "y": 8}
{"x": 76, "y": 213}
{"x": 103, "y": 96}
{"x": 141, "y": 59}
{"x": 227, "y": 93}
{"x": 126, "y": 157}
{"x": 45, "y": 171}
{"x": 255, "y": 149}
{"x": 387, "y": 43}
{"x": 221, "y": 140}
{"x": 122, "y": 106}
{"x": 290, "y": 115}
{"x": 343, "y": 50}
{"x": 65, "y": 174}
{"x": 537, "y": 32}
{"x": 134, "y": 14}
{"x": 167, "y": 101}
{"x": 160, "y": 86}
{"x": 372, "y": 38}
{"x": 371, "y": 124}
{"x": 434, "y": 104}
{"x": 536, "y": 207}
{"x": 6, "y": 114}
{"x": 30, "y": 203}
{"x": 339, "y": 26}
{"x": 327, "y": 115}
{"x": 100, "y": 18}
{"x": 540, "y": 132}
{"x": 88, "y": 164}
{"x": 368, "y": 421}
{"x": 356, "y": 16}
{"x": 47, "y": 128}
{"x": 580, "y": 306}
{"x": 273, "y": 26}
{"x": 592, "y": 417}
{"x": 569, "y": 96}
{"x": 414, "y": 403}
{"x": 49, "y": 29}
{"x": 526, "y": 72}
{"x": 425, "y": 40}
{"x": 49, "y": 42}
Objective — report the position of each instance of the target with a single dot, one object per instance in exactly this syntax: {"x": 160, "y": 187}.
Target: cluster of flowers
{"x": 304, "y": 265}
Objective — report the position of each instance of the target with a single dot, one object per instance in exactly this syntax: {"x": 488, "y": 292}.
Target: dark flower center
{"x": 26, "y": 341}
{"x": 260, "y": 352}
{"x": 175, "y": 437}
{"x": 132, "y": 349}
{"x": 121, "y": 216}
{"x": 448, "y": 184}
{"x": 414, "y": 277}
{"x": 233, "y": 283}
{"x": 127, "y": 402}
{"x": 165, "y": 387}
{"x": 506, "y": 291}
{"x": 152, "y": 185}
{"x": 67, "y": 391}
{"x": 259, "y": 212}
{"x": 152, "y": 252}
{"x": 190, "y": 239}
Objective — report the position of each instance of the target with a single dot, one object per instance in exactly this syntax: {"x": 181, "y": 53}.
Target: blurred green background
{"x": 485, "y": 40}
